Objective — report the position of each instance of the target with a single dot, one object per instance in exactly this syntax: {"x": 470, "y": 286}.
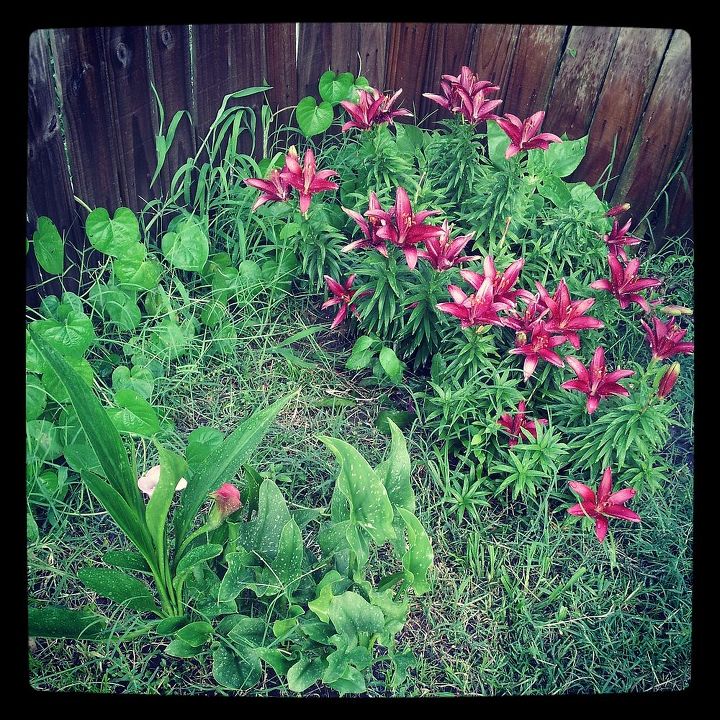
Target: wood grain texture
{"x": 681, "y": 195}
{"x": 579, "y": 80}
{"x": 533, "y": 69}
{"x": 88, "y": 119}
{"x": 664, "y": 126}
{"x": 314, "y": 57}
{"x": 626, "y": 89}
{"x": 492, "y": 55}
{"x": 169, "y": 57}
{"x": 49, "y": 190}
{"x": 407, "y": 59}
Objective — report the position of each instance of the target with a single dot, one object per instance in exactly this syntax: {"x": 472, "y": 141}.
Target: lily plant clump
{"x": 459, "y": 251}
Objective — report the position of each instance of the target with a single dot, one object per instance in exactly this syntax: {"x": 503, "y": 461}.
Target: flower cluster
{"x": 373, "y": 108}
{"x": 466, "y": 95}
{"x": 514, "y": 424}
{"x": 304, "y": 178}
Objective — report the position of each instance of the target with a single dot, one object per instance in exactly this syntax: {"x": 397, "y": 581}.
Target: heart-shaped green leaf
{"x": 134, "y": 414}
{"x": 116, "y": 237}
{"x": 187, "y": 247}
{"x": 48, "y": 246}
{"x": 313, "y": 118}
{"x": 334, "y": 88}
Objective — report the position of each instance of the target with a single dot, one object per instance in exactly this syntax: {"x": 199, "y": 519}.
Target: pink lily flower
{"x": 341, "y": 295}
{"x": 668, "y": 380}
{"x": 148, "y": 482}
{"x": 513, "y": 424}
{"x": 274, "y": 189}
{"x": 372, "y": 108}
{"x": 524, "y": 323}
{"x": 473, "y": 310}
{"x": 595, "y": 381}
{"x": 404, "y": 228}
{"x": 618, "y": 237}
{"x": 664, "y": 339}
{"x": 502, "y": 282}
{"x": 606, "y": 505}
{"x": 465, "y": 94}
{"x": 305, "y": 179}
{"x": 625, "y": 284}
{"x": 567, "y": 316}
{"x": 524, "y": 134}
{"x": 369, "y": 229}
{"x": 539, "y": 346}
{"x": 442, "y": 253}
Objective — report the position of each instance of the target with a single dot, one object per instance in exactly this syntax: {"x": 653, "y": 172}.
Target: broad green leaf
{"x": 224, "y": 462}
{"x": 117, "y": 236}
{"x": 33, "y": 532}
{"x": 401, "y": 418}
{"x": 418, "y": 560}
{"x": 201, "y": 442}
{"x": 179, "y": 648}
{"x": 395, "y": 613}
{"x": 287, "y": 565}
{"x": 71, "y": 337}
{"x": 275, "y": 659}
{"x": 394, "y": 471}
{"x": 351, "y": 681}
{"x": 236, "y": 671}
{"x": 313, "y": 118}
{"x": 355, "y": 618}
{"x": 370, "y": 507}
{"x": 42, "y": 440}
{"x": 402, "y": 662}
{"x": 498, "y": 143}
{"x": 263, "y": 533}
{"x": 582, "y": 193}
{"x": 119, "y": 587}
{"x": 60, "y": 622}
{"x": 556, "y": 191}
{"x": 304, "y": 673}
{"x": 563, "y": 158}
{"x": 139, "y": 379}
{"x": 35, "y": 398}
{"x": 170, "y": 340}
{"x": 127, "y": 560}
{"x": 360, "y": 358}
{"x": 55, "y": 387}
{"x": 170, "y": 625}
{"x": 196, "y": 633}
{"x": 391, "y": 364}
{"x": 194, "y": 557}
{"x": 134, "y": 415}
{"x": 48, "y": 246}
{"x": 81, "y": 457}
{"x": 343, "y": 664}
{"x": 172, "y": 468}
{"x": 335, "y": 87}
{"x": 187, "y": 247}
{"x": 238, "y": 576}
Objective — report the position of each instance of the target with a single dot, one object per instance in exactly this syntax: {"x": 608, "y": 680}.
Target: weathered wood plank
{"x": 227, "y": 58}
{"x": 492, "y": 55}
{"x": 89, "y": 124}
{"x": 626, "y": 89}
{"x": 449, "y": 49}
{"x": 579, "y": 80}
{"x": 132, "y": 107}
{"x": 373, "y": 49}
{"x": 407, "y": 58}
{"x": 314, "y": 57}
{"x": 664, "y": 126}
{"x": 681, "y": 195}
{"x": 533, "y": 69}
{"x": 49, "y": 190}
{"x": 169, "y": 50}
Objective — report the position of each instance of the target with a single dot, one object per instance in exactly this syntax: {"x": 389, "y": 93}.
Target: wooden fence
{"x": 92, "y": 117}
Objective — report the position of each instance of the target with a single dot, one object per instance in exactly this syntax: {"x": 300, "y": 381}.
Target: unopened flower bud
{"x": 668, "y": 380}
{"x": 617, "y": 210}
{"x": 227, "y": 501}
{"x": 676, "y": 310}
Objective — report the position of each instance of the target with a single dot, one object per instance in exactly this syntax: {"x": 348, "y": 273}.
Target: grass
{"x": 522, "y": 602}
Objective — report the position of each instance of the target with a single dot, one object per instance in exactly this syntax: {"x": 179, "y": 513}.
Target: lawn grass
{"x": 521, "y": 601}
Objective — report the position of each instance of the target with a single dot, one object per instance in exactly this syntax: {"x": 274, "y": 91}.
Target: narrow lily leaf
{"x": 60, "y": 622}
{"x": 101, "y": 433}
{"x": 172, "y": 468}
{"x": 224, "y": 462}
{"x": 121, "y": 588}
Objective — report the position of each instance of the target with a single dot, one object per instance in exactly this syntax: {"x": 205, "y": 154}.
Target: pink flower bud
{"x": 668, "y": 380}
{"x": 617, "y": 210}
{"x": 227, "y": 500}
{"x": 676, "y": 310}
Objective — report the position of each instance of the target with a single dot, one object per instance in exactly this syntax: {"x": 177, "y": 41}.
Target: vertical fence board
{"x": 88, "y": 117}
{"x": 533, "y": 69}
{"x": 681, "y": 195}
{"x": 227, "y": 58}
{"x": 492, "y": 55}
{"x": 407, "y": 58}
{"x": 282, "y": 75}
{"x": 579, "y": 80}
{"x": 373, "y": 48}
{"x": 449, "y": 50}
{"x": 628, "y": 82}
{"x": 663, "y": 128}
{"x": 49, "y": 190}
{"x": 169, "y": 50}
{"x": 132, "y": 108}
{"x": 314, "y": 57}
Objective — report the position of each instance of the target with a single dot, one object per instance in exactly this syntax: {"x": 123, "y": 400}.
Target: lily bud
{"x": 668, "y": 380}
{"x": 227, "y": 501}
{"x": 617, "y": 210}
{"x": 676, "y": 310}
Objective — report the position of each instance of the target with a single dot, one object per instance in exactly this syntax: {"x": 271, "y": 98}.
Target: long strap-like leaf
{"x": 224, "y": 462}
{"x": 102, "y": 435}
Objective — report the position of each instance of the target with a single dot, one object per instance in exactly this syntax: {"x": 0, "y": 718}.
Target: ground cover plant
{"x": 394, "y": 410}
